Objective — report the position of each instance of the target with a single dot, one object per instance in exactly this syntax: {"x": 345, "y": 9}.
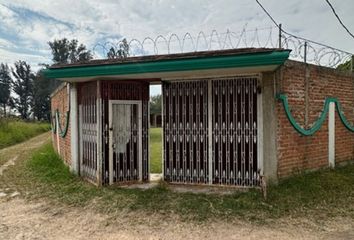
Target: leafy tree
{"x": 65, "y": 51}
{"x": 121, "y": 52}
{"x": 41, "y": 97}
{"x": 5, "y": 87}
{"x": 155, "y": 104}
{"x": 22, "y": 85}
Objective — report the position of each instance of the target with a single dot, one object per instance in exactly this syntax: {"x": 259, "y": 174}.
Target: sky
{"x": 26, "y": 26}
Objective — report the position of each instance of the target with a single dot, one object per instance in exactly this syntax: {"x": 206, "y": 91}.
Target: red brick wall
{"x": 296, "y": 152}
{"x": 60, "y": 101}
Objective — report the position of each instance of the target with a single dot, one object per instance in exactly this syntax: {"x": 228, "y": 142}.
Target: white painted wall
{"x": 74, "y": 129}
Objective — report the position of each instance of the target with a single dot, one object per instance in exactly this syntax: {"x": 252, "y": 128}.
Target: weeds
{"x": 13, "y": 131}
{"x": 314, "y": 195}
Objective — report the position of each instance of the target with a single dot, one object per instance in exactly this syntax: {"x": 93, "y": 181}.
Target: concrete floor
{"x": 156, "y": 178}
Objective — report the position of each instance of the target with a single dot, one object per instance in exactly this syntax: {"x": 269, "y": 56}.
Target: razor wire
{"x": 188, "y": 43}
{"x": 266, "y": 37}
{"x": 313, "y": 52}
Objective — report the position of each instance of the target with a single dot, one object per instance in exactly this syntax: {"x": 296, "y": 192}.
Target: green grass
{"x": 155, "y": 150}
{"x": 13, "y": 131}
{"x": 316, "y": 195}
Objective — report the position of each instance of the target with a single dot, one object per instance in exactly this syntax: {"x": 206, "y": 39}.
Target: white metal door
{"x": 125, "y": 141}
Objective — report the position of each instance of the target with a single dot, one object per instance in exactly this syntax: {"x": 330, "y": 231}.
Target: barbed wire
{"x": 313, "y": 52}
{"x": 188, "y": 43}
{"x": 265, "y": 37}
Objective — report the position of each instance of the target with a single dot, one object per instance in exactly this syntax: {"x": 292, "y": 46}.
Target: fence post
{"x": 280, "y": 30}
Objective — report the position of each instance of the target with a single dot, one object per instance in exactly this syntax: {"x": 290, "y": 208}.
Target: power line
{"x": 292, "y": 35}
{"x": 276, "y": 24}
{"x": 340, "y": 21}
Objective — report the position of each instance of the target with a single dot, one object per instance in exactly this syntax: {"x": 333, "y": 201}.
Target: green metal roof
{"x": 251, "y": 59}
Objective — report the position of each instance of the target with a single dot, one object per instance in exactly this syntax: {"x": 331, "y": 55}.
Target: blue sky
{"x": 27, "y": 26}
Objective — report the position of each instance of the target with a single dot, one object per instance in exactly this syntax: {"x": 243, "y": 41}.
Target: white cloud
{"x": 90, "y": 21}
{"x": 11, "y": 57}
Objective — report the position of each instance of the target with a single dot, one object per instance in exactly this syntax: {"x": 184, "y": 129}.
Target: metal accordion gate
{"x": 185, "y": 121}
{"x": 211, "y": 132}
{"x": 114, "y": 131}
{"x": 234, "y": 128}
{"x": 88, "y": 130}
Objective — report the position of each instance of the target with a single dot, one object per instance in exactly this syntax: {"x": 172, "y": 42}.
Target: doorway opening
{"x": 155, "y": 132}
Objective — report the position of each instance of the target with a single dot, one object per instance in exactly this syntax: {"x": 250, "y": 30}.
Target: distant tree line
{"x": 27, "y": 93}
{"x": 18, "y": 87}
{"x": 155, "y": 104}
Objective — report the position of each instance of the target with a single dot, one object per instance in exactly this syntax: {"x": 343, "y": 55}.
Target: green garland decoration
{"x": 319, "y": 122}
{"x": 62, "y": 132}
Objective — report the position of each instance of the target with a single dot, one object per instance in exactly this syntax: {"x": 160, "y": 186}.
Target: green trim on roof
{"x": 214, "y": 62}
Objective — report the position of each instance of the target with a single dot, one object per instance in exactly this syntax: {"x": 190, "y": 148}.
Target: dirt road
{"x": 23, "y": 220}
{"x": 20, "y": 219}
{"x": 22, "y": 149}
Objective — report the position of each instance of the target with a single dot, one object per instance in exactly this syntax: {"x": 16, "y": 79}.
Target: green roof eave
{"x": 212, "y": 62}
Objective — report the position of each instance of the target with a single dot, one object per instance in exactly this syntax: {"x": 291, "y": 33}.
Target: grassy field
{"x": 13, "y": 131}
{"x": 317, "y": 195}
{"x": 155, "y": 150}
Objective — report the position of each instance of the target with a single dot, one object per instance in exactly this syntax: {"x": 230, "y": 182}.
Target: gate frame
{"x": 260, "y": 134}
{"x": 140, "y": 145}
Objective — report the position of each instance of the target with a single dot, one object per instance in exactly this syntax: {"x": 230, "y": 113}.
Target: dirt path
{"x": 20, "y": 219}
{"x": 7, "y": 155}
{"x": 23, "y": 220}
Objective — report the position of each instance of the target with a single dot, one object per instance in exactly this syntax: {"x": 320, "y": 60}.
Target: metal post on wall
{"x": 280, "y": 30}
{"x": 305, "y": 53}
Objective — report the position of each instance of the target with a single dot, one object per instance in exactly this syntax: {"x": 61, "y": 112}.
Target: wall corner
{"x": 270, "y": 160}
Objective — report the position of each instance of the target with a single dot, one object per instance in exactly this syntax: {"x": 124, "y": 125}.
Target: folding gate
{"x": 185, "y": 117}
{"x": 234, "y": 128}
{"x": 113, "y": 131}
{"x": 88, "y": 130}
{"x": 210, "y": 131}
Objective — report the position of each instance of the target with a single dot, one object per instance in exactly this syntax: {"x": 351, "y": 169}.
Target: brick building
{"x": 229, "y": 117}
